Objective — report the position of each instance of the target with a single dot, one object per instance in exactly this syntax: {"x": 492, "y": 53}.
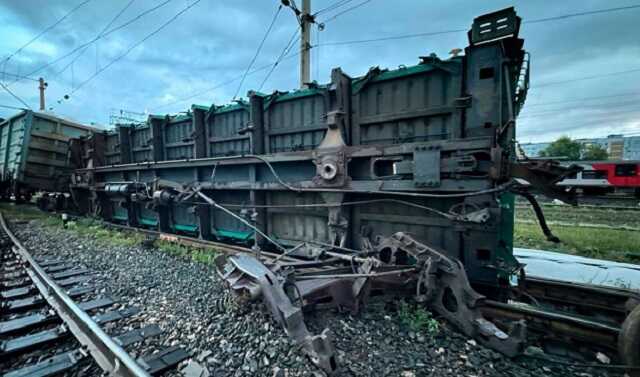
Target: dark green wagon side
{"x": 34, "y": 153}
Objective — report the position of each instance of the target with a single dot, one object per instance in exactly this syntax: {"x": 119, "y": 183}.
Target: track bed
{"x": 188, "y": 302}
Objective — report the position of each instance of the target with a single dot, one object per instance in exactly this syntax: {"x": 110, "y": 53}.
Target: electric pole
{"x": 43, "y": 85}
{"x": 306, "y": 19}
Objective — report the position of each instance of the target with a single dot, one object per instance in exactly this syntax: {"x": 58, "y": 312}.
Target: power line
{"x": 585, "y": 78}
{"x": 19, "y": 76}
{"x": 587, "y": 13}
{"x": 331, "y": 7}
{"x": 13, "y": 95}
{"x": 12, "y": 107}
{"x": 582, "y": 99}
{"x": 284, "y": 53}
{"x": 224, "y": 83}
{"x": 45, "y": 30}
{"x": 134, "y": 19}
{"x": 346, "y": 11}
{"x": 255, "y": 56}
{"x": 584, "y": 107}
{"x": 104, "y": 29}
{"x": 407, "y": 36}
{"x": 395, "y": 37}
{"x": 564, "y": 126}
{"x": 417, "y": 35}
{"x": 157, "y": 30}
{"x": 591, "y": 116}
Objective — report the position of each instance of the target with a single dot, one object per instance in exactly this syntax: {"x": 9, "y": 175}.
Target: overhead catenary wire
{"x": 579, "y": 14}
{"x": 104, "y": 30}
{"x": 47, "y": 29}
{"x": 582, "y": 99}
{"x": 224, "y": 83}
{"x": 255, "y": 56}
{"x": 582, "y": 107}
{"x": 12, "y": 107}
{"x": 464, "y": 30}
{"x": 19, "y": 76}
{"x": 345, "y": 11}
{"x": 111, "y": 31}
{"x": 284, "y": 53}
{"x": 583, "y": 78}
{"x": 332, "y": 7}
{"x": 605, "y": 114}
{"x": 406, "y": 36}
{"x": 133, "y": 46}
{"x": 14, "y": 95}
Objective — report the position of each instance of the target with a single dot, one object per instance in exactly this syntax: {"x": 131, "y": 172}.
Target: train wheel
{"x": 629, "y": 340}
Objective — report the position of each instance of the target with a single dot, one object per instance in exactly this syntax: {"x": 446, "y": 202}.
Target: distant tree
{"x": 563, "y": 147}
{"x": 594, "y": 152}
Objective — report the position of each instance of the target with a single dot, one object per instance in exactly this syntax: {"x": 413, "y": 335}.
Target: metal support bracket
{"x": 250, "y": 280}
{"x": 426, "y": 166}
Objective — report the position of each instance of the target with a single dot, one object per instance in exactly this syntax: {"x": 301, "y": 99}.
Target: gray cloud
{"x": 214, "y": 41}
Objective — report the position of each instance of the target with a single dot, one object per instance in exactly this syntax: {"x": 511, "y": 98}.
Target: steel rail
{"x": 108, "y": 355}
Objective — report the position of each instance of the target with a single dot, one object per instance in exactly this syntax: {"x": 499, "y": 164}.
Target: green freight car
{"x": 34, "y": 153}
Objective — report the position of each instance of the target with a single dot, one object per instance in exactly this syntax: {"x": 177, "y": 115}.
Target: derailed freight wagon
{"x": 398, "y": 182}
{"x": 424, "y": 149}
{"x": 34, "y": 153}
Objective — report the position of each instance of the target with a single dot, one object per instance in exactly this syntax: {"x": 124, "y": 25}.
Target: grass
{"x": 182, "y": 251}
{"x": 602, "y": 243}
{"x": 583, "y": 215}
{"x": 417, "y": 319}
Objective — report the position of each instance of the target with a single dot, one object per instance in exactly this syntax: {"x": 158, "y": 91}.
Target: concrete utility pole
{"x": 305, "y": 36}
{"x": 43, "y": 85}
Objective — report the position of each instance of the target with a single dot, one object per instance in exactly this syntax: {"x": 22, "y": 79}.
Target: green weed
{"x": 417, "y": 319}
{"x": 178, "y": 250}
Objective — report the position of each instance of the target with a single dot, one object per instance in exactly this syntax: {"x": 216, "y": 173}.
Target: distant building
{"x": 631, "y": 148}
{"x": 533, "y": 149}
{"x": 618, "y": 147}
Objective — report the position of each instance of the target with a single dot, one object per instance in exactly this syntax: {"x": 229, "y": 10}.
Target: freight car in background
{"x": 34, "y": 148}
{"x": 605, "y": 177}
{"x": 423, "y": 149}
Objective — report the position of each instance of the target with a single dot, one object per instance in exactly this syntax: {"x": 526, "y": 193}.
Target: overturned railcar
{"x": 34, "y": 150}
{"x": 423, "y": 149}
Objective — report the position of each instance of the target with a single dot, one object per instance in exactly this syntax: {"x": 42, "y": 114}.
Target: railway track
{"x": 50, "y": 312}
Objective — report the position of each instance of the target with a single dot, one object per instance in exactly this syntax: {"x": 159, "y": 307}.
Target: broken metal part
{"x": 250, "y": 280}
{"x": 544, "y": 174}
{"x": 443, "y": 286}
{"x": 539, "y": 215}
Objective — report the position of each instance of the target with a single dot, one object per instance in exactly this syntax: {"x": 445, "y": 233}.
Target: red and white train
{"x": 601, "y": 177}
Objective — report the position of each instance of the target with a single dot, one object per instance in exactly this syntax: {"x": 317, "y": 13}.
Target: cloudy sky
{"x": 577, "y": 88}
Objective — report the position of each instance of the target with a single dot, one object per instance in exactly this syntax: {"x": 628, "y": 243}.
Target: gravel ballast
{"x": 189, "y": 303}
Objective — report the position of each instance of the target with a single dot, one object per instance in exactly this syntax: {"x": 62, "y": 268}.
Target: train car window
{"x": 626, "y": 170}
{"x": 594, "y": 174}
